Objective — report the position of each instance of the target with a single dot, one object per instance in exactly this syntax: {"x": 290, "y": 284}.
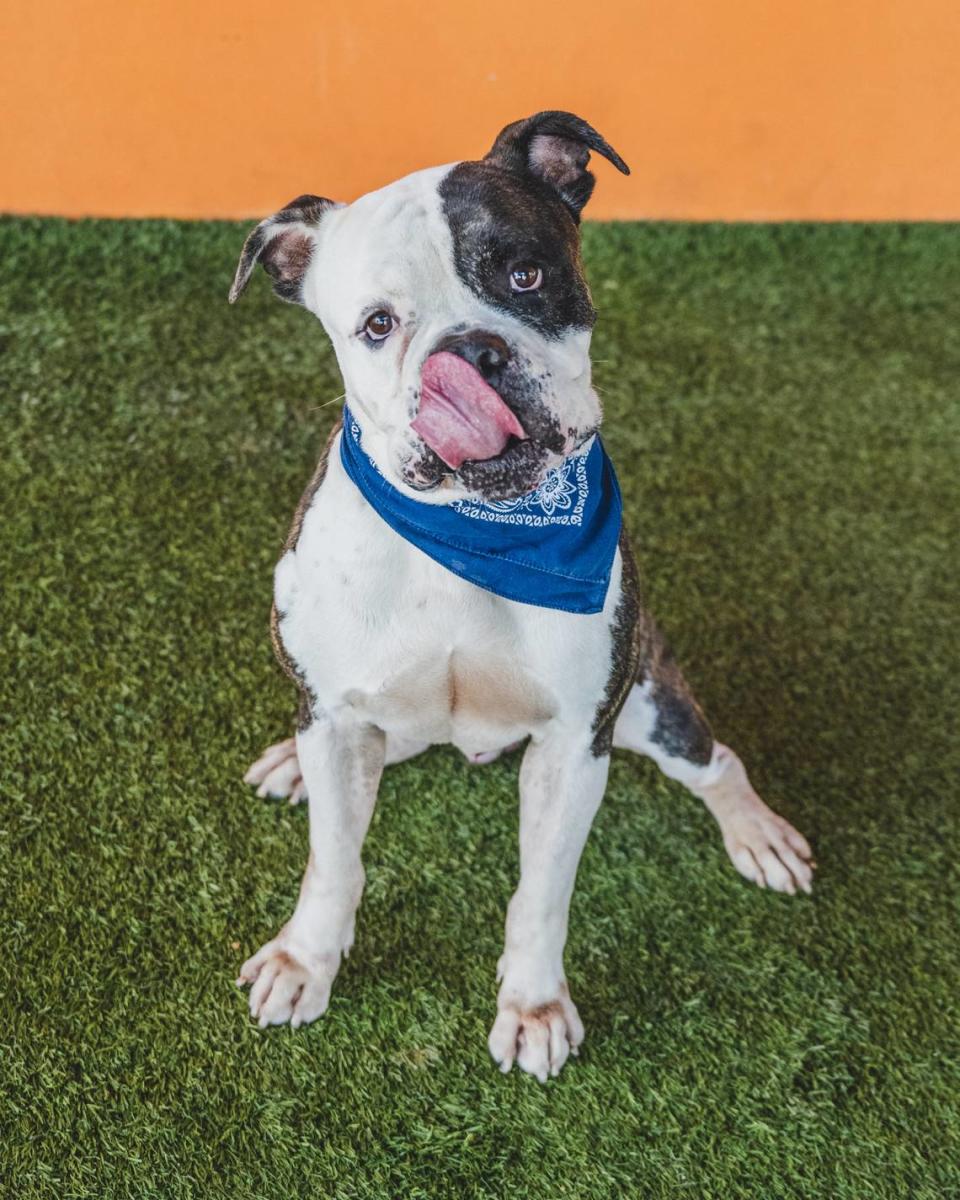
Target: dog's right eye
{"x": 378, "y": 325}
{"x": 526, "y": 277}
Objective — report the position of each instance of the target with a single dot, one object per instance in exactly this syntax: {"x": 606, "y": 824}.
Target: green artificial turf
{"x": 782, "y": 406}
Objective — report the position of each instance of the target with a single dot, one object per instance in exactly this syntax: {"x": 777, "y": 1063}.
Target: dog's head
{"x": 456, "y": 303}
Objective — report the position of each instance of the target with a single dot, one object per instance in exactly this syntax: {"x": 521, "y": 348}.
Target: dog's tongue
{"x": 461, "y": 417}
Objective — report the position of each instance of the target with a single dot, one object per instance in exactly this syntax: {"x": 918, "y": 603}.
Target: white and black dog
{"x": 458, "y": 309}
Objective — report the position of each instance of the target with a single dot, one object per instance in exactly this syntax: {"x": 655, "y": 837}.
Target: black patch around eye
{"x": 496, "y": 220}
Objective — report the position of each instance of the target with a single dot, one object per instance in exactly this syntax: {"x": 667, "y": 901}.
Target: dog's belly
{"x": 477, "y": 704}
{"x": 441, "y": 666}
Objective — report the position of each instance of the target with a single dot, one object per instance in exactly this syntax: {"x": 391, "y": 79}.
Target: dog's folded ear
{"x": 283, "y": 244}
{"x": 554, "y": 147}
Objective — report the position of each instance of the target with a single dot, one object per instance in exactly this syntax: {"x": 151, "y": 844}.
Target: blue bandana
{"x": 553, "y": 547}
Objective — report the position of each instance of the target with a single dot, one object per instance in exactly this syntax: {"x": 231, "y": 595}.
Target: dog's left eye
{"x": 378, "y": 325}
{"x": 526, "y": 277}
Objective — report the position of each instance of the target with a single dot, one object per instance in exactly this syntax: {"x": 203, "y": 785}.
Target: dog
{"x": 456, "y": 303}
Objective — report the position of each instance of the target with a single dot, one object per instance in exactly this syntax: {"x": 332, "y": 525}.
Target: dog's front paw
{"x": 769, "y": 851}
{"x": 277, "y": 773}
{"x": 539, "y": 1039}
{"x": 287, "y": 986}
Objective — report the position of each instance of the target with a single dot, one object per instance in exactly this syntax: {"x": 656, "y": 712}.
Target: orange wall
{"x": 733, "y": 109}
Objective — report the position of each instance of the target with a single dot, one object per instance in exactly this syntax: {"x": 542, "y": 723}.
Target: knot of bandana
{"x": 553, "y": 547}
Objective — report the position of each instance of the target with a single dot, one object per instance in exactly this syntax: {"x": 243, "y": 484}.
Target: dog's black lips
{"x": 424, "y": 470}
{"x": 514, "y": 472}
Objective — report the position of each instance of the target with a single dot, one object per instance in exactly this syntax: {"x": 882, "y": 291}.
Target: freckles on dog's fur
{"x": 393, "y": 653}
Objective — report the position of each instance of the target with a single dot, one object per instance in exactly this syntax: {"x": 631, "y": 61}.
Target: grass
{"x": 782, "y": 405}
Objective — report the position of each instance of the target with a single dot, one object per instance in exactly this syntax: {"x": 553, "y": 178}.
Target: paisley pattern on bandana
{"x": 559, "y": 500}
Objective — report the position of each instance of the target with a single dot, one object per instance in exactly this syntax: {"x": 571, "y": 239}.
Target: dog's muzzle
{"x": 462, "y": 417}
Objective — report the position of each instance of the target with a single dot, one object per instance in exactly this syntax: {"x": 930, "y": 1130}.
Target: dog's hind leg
{"x": 277, "y": 771}
{"x": 661, "y": 719}
{"x": 290, "y": 977}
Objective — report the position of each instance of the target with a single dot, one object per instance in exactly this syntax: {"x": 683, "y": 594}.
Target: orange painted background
{"x": 740, "y": 109}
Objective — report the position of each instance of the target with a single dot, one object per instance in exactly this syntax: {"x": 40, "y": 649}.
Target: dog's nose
{"x": 485, "y": 351}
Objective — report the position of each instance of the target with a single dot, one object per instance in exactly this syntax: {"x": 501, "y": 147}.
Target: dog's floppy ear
{"x": 555, "y": 148}
{"x": 284, "y": 245}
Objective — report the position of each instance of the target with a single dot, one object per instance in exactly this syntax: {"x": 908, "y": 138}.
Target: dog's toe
{"x": 276, "y": 773}
{"x": 270, "y": 758}
{"x": 539, "y": 1040}
{"x": 284, "y": 988}
{"x": 767, "y": 850}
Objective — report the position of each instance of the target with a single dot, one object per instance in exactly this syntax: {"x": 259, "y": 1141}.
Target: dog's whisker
{"x": 327, "y": 403}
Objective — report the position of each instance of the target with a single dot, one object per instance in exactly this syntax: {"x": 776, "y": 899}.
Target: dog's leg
{"x": 561, "y": 786}
{"x": 277, "y": 772}
{"x": 291, "y": 975}
{"x": 662, "y": 720}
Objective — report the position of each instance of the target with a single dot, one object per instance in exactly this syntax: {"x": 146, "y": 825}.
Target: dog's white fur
{"x": 398, "y": 653}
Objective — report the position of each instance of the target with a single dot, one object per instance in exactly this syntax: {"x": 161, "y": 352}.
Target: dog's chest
{"x": 374, "y": 625}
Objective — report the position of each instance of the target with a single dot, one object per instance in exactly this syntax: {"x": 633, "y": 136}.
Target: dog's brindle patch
{"x": 626, "y": 653}
{"x": 319, "y": 474}
{"x": 499, "y": 218}
{"x": 307, "y": 698}
{"x": 680, "y": 728}
{"x": 640, "y": 654}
